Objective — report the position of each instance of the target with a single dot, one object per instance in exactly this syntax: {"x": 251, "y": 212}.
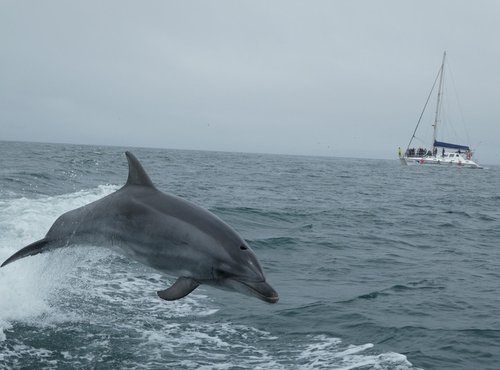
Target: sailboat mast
{"x": 438, "y": 104}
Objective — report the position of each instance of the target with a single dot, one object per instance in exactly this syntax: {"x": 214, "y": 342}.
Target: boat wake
{"x": 87, "y": 307}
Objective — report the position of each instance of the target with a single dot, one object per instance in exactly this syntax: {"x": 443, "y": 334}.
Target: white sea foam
{"x": 325, "y": 352}
{"x": 25, "y": 288}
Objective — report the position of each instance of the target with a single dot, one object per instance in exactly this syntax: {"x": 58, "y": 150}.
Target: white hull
{"x": 440, "y": 161}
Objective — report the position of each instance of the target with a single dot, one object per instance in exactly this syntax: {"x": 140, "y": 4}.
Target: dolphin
{"x": 165, "y": 232}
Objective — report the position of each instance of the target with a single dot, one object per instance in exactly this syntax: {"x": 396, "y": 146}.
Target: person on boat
{"x": 442, "y": 154}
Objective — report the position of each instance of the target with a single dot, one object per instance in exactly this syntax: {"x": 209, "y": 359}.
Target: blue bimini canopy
{"x": 442, "y": 144}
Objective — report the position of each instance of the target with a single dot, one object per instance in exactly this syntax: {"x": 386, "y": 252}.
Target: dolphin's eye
{"x": 243, "y": 247}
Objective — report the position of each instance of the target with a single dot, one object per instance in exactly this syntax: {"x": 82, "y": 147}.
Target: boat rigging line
{"x": 423, "y": 110}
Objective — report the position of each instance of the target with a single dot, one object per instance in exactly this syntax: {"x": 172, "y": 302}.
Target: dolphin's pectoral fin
{"x": 181, "y": 288}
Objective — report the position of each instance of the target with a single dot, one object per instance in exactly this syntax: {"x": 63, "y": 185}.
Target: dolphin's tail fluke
{"x": 30, "y": 250}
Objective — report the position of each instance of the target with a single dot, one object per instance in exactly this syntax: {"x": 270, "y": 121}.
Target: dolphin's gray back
{"x": 133, "y": 219}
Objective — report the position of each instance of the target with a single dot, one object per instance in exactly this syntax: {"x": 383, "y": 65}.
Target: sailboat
{"x": 440, "y": 153}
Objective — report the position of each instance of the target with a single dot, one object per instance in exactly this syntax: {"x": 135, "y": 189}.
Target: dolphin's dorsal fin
{"x": 181, "y": 288}
{"x": 136, "y": 173}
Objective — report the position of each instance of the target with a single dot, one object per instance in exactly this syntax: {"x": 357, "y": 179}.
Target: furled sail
{"x": 442, "y": 144}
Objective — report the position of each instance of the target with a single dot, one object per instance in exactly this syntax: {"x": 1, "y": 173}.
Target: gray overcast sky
{"x": 337, "y": 78}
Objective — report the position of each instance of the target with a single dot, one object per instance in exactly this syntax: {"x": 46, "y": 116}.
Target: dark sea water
{"x": 378, "y": 266}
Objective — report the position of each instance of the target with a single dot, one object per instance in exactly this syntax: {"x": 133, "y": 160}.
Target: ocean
{"x": 378, "y": 266}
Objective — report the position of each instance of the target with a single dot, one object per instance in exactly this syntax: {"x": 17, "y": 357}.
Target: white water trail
{"x": 27, "y": 285}
{"x": 29, "y": 288}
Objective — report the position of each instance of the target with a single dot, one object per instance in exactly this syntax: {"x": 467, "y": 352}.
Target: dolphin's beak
{"x": 260, "y": 289}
